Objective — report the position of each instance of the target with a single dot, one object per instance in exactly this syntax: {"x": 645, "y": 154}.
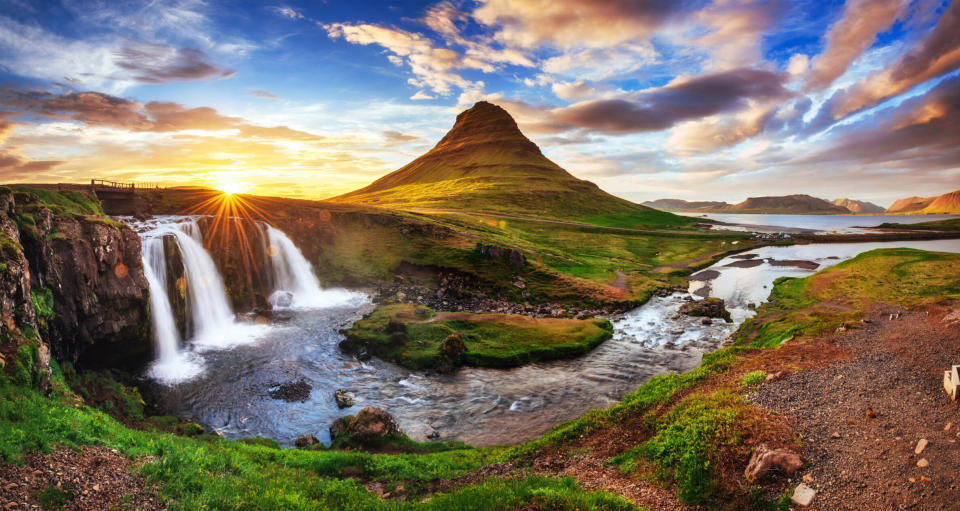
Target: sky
{"x": 690, "y": 99}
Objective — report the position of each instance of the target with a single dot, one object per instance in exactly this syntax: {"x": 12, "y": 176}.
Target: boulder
{"x": 450, "y": 353}
{"x": 344, "y": 398}
{"x": 708, "y": 307}
{"x": 803, "y": 495}
{"x": 280, "y": 299}
{"x": 370, "y": 424}
{"x": 306, "y": 441}
{"x": 510, "y": 256}
{"x": 765, "y": 459}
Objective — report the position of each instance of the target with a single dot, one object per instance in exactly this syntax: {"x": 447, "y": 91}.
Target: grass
{"x": 687, "y": 443}
{"x": 842, "y": 293}
{"x": 412, "y": 335}
{"x": 211, "y": 473}
{"x": 949, "y": 224}
{"x": 753, "y": 378}
{"x": 64, "y": 202}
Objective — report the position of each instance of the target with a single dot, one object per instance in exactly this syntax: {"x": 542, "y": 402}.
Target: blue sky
{"x": 701, "y": 99}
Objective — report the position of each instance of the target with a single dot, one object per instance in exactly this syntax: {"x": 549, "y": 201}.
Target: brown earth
{"x": 94, "y": 479}
{"x": 893, "y": 368}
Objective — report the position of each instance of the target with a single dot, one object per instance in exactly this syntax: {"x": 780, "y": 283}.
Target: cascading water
{"x": 295, "y": 285}
{"x": 212, "y": 322}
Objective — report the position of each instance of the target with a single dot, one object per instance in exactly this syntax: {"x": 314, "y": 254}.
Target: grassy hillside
{"x": 485, "y": 164}
{"x": 567, "y": 261}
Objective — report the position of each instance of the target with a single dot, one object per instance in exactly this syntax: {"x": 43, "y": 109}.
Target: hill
{"x": 787, "y": 204}
{"x": 909, "y": 204}
{"x": 682, "y": 205}
{"x": 857, "y": 206}
{"x": 486, "y": 164}
{"x": 948, "y": 203}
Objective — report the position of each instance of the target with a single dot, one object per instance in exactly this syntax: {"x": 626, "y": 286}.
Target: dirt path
{"x": 97, "y": 478}
{"x": 895, "y": 368}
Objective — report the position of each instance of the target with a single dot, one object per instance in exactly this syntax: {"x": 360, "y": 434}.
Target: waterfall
{"x": 172, "y": 364}
{"x": 294, "y": 284}
{"x": 213, "y": 325}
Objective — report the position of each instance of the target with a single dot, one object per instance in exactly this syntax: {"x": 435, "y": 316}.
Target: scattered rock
{"x": 871, "y": 414}
{"x": 835, "y": 435}
{"x": 344, "y": 398}
{"x": 765, "y": 459}
{"x": 921, "y": 445}
{"x": 923, "y": 463}
{"x": 306, "y": 441}
{"x": 803, "y": 495}
{"x": 292, "y": 391}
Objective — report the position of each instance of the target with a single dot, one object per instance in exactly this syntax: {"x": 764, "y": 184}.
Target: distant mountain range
{"x": 804, "y": 204}
{"x": 946, "y": 203}
{"x": 485, "y": 164}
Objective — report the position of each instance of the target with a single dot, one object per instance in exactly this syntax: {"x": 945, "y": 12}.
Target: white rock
{"x": 803, "y": 495}
{"x": 923, "y": 462}
{"x": 921, "y": 445}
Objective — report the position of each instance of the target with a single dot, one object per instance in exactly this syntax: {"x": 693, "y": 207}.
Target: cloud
{"x": 798, "y": 64}
{"x": 574, "y": 23}
{"x": 98, "y": 109}
{"x": 936, "y": 55}
{"x": 15, "y": 166}
{"x": 920, "y": 133}
{"x": 432, "y": 67}
{"x": 260, "y": 93}
{"x": 159, "y": 63}
{"x": 850, "y": 36}
{"x": 735, "y": 31}
{"x": 396, "y": 137}
{"x": 289, "y": 12}
{"x": 715, "y": 132}
{"x": 661, "y": 108}
{"x": 420, "y": 96}
{"x": 573, "y": 90}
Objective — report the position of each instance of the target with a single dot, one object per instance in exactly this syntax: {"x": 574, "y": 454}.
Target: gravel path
{"x": 896, "y": 370}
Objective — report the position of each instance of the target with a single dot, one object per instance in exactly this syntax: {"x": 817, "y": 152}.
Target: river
{"x": 844, "y": 224}
{"x": 475, "y": 405}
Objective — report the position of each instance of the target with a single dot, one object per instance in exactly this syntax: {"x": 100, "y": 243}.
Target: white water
{"x": 212, "y": 322}
{"x": 295, "y": 285}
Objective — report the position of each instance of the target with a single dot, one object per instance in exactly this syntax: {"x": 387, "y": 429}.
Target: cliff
{"x": 858, "y": 206}
{"x": 72, "y": 279}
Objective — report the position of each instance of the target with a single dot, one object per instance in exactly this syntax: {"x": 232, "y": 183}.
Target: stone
{"x": 803, "y": 495}
{"x": 708, "y": 307}
{"x": 371, "y": 423}
{"x": 923, "y": 463}
{"x": 765, "y": 459}
{"x": 306, "y": 441}
{"x": 947, "y": 427}
{"x": 871, "y": 414}
{"x": 835, "y": 435}
{"x": 280, "y": 299}
{"x": 921, "y": 445}
{"x": 450, "y": 354}
{"x": 344, "y": 398}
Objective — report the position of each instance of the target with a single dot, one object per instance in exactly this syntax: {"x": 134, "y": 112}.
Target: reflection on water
{"x": 817, "y": 223}
{"x": 479, "y": 406}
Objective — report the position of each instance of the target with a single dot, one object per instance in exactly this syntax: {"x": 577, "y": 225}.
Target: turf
{"x": 492, "y": 340}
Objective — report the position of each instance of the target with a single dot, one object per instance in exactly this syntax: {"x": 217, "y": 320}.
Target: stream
{"x": 228, "y": 390}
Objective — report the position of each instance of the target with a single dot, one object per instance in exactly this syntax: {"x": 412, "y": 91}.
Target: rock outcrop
{"x": 708, "y": 307}
{"x": 509, "y": 255}
{"x": 74, "y": 279}
{"x": 765, "y": 459}
{"x": 370, "y": 424}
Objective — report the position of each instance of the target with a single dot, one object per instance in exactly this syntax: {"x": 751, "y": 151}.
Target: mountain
{"x": 788, "y": 204}
{"x": 857, "y": 206}
{"x": 682, "y": 205}
{"x": 946, "y": 203}
{"x": 485, "y": 164}
{"x": 909, "y": 204}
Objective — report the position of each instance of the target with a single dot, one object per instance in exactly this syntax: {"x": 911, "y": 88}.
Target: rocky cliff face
{"x": 73, "y": 279}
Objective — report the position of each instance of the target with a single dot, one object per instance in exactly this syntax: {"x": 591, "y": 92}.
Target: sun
{"x": 233, "y": 187}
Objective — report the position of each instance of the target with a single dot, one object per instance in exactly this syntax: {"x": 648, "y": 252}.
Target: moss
{"x": 412, "y": 336}
{"x": 688, "y": 440}
{"x": 753, "y": 378}
{"x": 54, "y": 498}
{"x": 9, "y": 248}
{"x": 63, "y": 201}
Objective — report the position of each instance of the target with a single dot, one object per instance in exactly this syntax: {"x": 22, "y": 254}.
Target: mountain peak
{"x": 485, "y": 123}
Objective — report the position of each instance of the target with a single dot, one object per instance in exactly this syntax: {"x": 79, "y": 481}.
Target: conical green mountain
{"x": 486, "y": 165}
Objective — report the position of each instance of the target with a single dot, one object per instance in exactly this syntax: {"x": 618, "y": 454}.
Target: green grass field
{"x": 492, "y": 340}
